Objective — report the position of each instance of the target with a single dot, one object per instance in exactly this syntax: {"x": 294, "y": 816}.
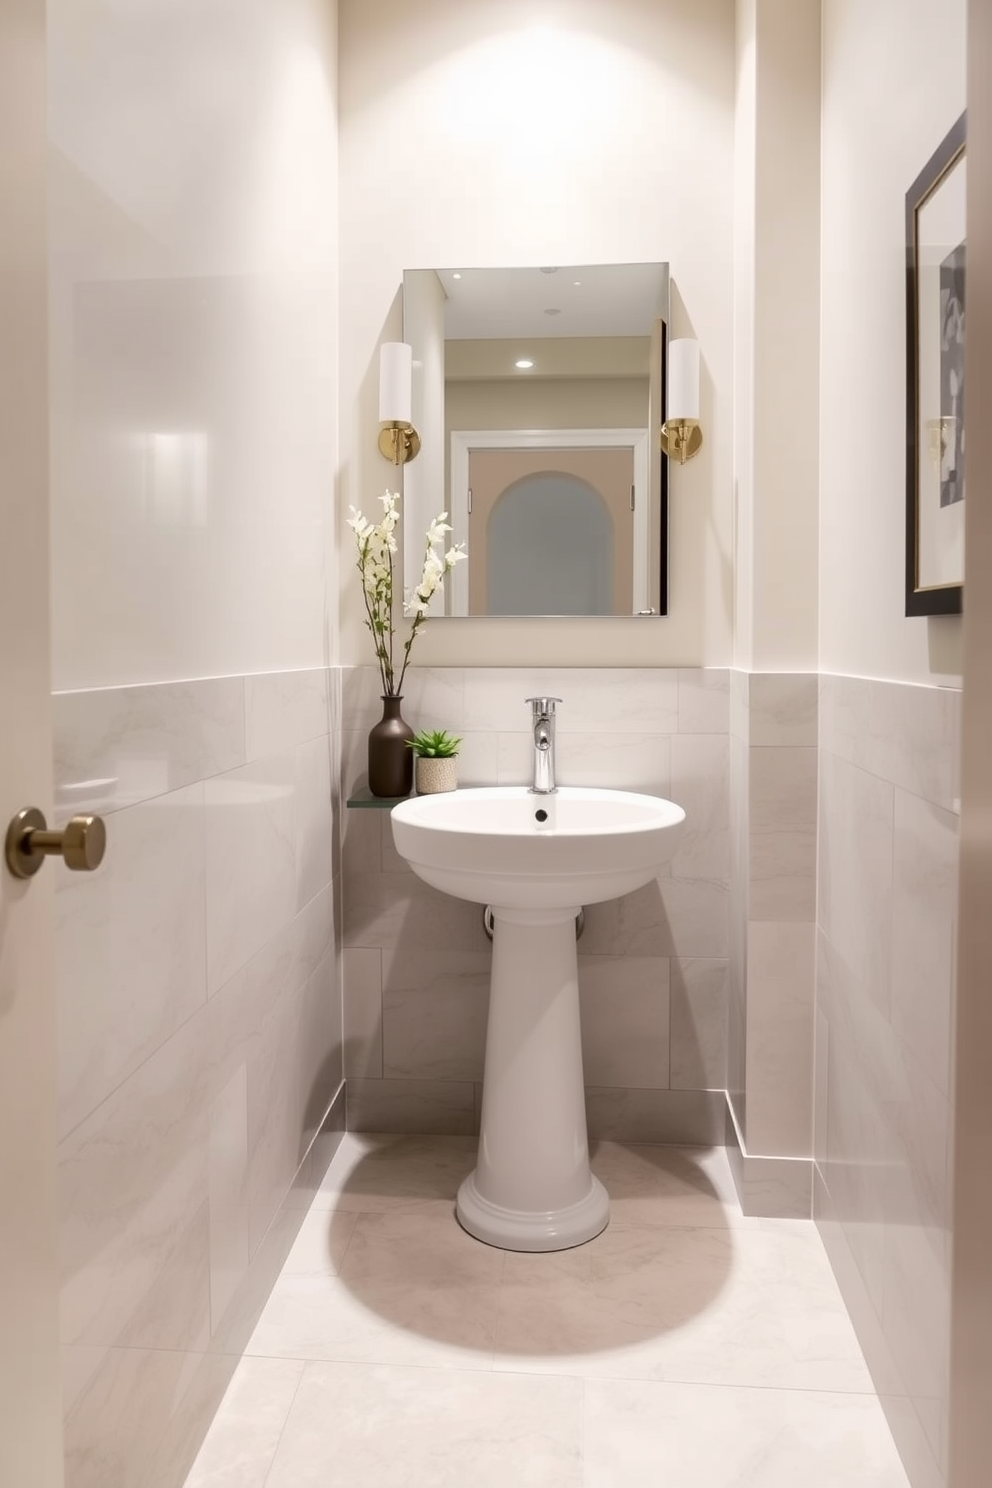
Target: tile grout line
{"x": 285, "y": 1423}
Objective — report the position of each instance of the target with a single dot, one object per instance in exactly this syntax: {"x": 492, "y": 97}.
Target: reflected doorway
{"x": 550, "y": 531}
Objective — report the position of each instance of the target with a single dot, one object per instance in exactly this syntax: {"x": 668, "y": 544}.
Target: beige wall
{"x": 193, "y": 338}
{"x": 625, "y": 156}
{"x": 893, "y": 84}
{"x": 580, "y": 403}
{"x": 776, "y": 353}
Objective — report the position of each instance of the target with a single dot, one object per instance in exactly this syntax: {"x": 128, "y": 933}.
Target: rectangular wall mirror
{"x": 539, "y": 396}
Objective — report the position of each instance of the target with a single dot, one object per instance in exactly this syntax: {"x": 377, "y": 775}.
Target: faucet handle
{"x": 543, "y": 707}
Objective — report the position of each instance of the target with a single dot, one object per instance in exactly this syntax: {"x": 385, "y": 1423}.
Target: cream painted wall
{"x": 893, "y": 84}
{"x": 776, "y": 312}
{"x": 745, "y": 139}
{"x": 575, "y": 403}
{"x": 193, "y": 330}
{"x": 495, "y": 134}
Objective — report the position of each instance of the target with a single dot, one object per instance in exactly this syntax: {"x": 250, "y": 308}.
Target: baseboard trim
{"x": 768, "y": 1187}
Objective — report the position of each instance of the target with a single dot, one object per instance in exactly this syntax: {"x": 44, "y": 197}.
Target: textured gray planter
{"x": 434, "y": 775}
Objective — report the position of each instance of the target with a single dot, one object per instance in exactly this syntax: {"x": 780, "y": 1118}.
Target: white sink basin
{"x": 537, "y": 860}
{"x": 505, "y": 845}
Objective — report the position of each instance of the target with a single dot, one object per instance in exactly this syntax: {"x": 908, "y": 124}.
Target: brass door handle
{"x": 81, "y": 844}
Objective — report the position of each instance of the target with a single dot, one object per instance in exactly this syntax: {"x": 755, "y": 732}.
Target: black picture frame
{"x": 935, "y": 329}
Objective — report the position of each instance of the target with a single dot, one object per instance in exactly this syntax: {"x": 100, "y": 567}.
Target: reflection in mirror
{"x": 539, "y": 396}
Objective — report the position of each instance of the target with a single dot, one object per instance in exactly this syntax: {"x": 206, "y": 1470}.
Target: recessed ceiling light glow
{"x": 523, "y": 364}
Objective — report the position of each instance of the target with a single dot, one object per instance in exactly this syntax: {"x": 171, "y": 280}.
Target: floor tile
{"x": 321, "y": 1244}
{"x": 413, "y": 1289}
{"x": 654, "y": 1185}
{"x": 701, "y": 1436}
{"x": 241, "y": 1443}
{"x": 396, "y": 1172}
{"x": 686, "y": 1345}
{"x": 709, "y": 1306}
{"x": 426, "y": 1428}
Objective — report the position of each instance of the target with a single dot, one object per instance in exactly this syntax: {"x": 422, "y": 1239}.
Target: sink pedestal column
{"x": 532, "y": 1188}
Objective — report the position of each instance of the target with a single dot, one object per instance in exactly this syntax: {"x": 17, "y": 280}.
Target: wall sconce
{"x": 398, "y": 439}
{"x": 681, "y": 435}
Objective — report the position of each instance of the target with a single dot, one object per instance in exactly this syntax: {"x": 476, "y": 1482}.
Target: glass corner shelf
{"x": 364, "y": 800}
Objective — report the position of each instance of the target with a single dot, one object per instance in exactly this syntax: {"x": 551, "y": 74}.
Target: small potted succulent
{"x": 436, "y": 754}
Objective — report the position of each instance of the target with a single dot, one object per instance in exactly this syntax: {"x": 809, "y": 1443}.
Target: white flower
{"x": 438, "y": 528}
{"x": 376, "y": 544}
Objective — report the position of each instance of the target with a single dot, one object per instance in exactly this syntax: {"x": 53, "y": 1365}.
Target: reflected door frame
{"x": 464, "y": 441}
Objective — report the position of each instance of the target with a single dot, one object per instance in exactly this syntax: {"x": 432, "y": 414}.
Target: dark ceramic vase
{"x": 390, "y": 759}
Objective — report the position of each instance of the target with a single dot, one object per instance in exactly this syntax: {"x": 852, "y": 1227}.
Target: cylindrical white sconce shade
{"x": 395, "y": 382}
{"x": 683, "y": 380}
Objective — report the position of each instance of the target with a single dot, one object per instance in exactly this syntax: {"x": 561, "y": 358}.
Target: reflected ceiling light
{"x": 456, "y": 276}
{"x": 523, "y": 364}
{"x": 398, "y": 439}
{"x": 681, "y": 436}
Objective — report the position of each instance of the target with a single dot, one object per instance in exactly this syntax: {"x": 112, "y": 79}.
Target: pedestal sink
{"x": 536, "y": 859}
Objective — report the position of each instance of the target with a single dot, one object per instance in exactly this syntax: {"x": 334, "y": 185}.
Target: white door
{"x": 30, "y": 1395}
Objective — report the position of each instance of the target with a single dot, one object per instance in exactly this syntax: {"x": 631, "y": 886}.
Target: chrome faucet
{"x": 543, "y": 718}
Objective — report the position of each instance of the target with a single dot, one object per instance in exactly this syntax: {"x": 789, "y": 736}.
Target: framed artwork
{"x": 935, "y": 402}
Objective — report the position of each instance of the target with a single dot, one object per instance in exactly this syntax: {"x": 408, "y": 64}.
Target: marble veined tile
{"x": 636, "y": 762}
{"x": 924, "y": 924}
{"x": 432, "y": 698}
{"x": 133, "y": 1180}
{"x": 624, "y": 1004}
{"x": 413, "y": 1288}
{"x": 783, "y": 708}
{"x": 116, "y": 746}
{"x": 284, "y": 709}
{"x": 699, "y": 1023}
{"x": 385, "y": 1424}
{"x": 701, "y": 786}
{"x": 700, "y": 1437}
{"x": 694, "y": 1117}
{"x": 855, "y": 871}
{"x": 116, "y": 1427}
{"x": 361, "y": 971}
{"x": 914, "y": 739}
{"x": 445, "y": 1107}
{"x": 251, "y": 861}
{"x": 434, "y": 1010}
{"x": 370, "y": 1173}
{"x": 727, "y": 1306}
{"x": 614, "y": 700}
{"x": 293, "y": 1074}
{"x": 704, "y": 700}
{"x": 314, "y": 819}
{"x": 130, "y": 946}
{"x": 241, "y": 1443}
{"x": 322, "y": 1243}
{"x": 666, "y": 1185}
